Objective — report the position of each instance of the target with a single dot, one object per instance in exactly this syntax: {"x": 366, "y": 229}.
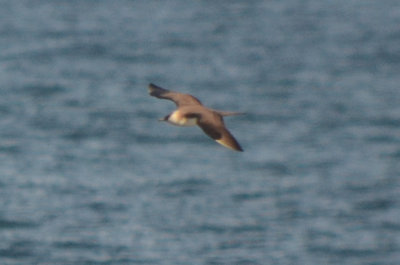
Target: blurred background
{"x": 89, "y": 176}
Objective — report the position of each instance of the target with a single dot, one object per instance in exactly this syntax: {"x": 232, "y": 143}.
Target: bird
{"x": 191, "y": 112}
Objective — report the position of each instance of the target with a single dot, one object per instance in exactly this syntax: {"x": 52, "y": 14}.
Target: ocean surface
{"x": 89, "y": 176}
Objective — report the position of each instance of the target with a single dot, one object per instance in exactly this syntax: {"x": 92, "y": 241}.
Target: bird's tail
{"x": 229, "y": 113}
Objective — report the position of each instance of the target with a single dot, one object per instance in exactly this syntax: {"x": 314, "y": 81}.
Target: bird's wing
{"x": 214, "y": 127}
{"x": 180, "y": 99}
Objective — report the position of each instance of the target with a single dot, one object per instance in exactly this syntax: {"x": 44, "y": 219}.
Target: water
{"x": 88, "y": 175}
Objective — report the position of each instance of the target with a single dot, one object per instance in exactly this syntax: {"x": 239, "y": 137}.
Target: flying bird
{"x": 191, "y": 112}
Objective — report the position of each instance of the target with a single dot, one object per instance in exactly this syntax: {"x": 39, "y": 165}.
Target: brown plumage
{"x": 191, "y": 112}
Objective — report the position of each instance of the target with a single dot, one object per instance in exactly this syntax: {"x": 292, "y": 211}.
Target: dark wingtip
{"x": 238, "y": 148}
{"x": 230, "y": 143}
{"x": 155, "y": 90}
{"x": 151, "y": 87}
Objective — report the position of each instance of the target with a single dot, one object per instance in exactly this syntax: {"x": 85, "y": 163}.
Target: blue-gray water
{"x": 89, "y": 176}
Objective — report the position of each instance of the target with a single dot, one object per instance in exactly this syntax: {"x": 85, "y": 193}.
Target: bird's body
{"x": 177, "y": 118}
{"x": 191, "y": 112}
{"x": 180, "y": 117}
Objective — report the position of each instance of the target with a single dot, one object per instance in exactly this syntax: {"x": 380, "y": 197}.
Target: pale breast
{"x": 176, "y": 118}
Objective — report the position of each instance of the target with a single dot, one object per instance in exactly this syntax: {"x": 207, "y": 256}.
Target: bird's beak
{"x": 164, "y": 119}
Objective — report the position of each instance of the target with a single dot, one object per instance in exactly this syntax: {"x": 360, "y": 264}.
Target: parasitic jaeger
{"x": 191, "y": 112}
